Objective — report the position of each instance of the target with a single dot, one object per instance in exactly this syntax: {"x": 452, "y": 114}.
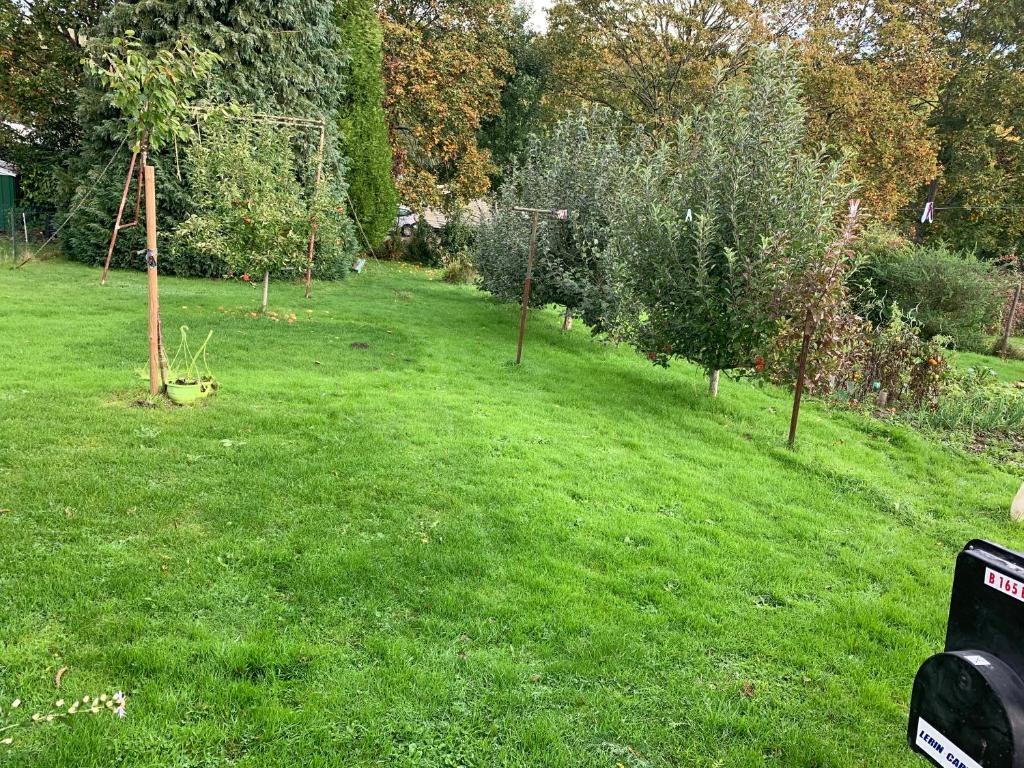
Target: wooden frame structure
{"x": 282, "y": 120}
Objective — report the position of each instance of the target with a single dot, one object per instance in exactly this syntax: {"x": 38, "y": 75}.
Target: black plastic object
{"x": 967, "y": 708}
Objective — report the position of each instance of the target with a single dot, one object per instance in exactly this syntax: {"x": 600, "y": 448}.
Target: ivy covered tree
{"x": 720, "y": 219}
{"x": 362, "y": 124}
{"x": 282, "y": 58}
{"x": 577, "y": 166}
{"x": 523, "y": 109}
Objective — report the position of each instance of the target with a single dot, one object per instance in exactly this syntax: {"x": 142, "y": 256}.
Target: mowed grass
{"x": 414, "y": 554}
{"x": 1008, "y": 370}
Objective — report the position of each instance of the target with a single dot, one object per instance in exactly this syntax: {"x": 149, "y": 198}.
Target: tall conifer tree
{"x": 362, "y": 123}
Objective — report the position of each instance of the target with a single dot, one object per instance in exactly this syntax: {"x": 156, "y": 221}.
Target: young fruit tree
{"x": 578, "y": 166}
{"x": 251, "y": 210}
{"x": 152, "y": 89}
{"x": 718, "y": 221}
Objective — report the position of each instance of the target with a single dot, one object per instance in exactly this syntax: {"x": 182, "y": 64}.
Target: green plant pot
{"x": 184, "y": 394}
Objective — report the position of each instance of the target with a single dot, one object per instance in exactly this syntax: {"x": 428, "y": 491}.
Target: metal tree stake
{"x": 535, "y": 213}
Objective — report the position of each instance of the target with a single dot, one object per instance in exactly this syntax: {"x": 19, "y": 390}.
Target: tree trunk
{"x": 1004, "y": 347}
{"x": 713, "y": 377}
{"x": 567, "y": 320}
{"x": 266, "y": 290}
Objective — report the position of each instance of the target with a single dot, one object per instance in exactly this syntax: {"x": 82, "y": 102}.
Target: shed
{"x": 7, "y": 176}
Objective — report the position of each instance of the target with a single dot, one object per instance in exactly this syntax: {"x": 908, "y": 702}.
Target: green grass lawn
{"x": 1008, "y": 370}
{"x": 414, "y": 554}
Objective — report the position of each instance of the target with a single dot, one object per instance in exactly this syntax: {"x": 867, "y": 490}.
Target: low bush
{"x": 976, "y": 403}
{"x": 459, "y": 271}
{"x": 423, "y": 248}
{"x": 947, "y": 292}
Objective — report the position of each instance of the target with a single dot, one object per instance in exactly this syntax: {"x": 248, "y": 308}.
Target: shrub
{"x": 251, "y": 211}
{"x": 910, "y": 370}
{"x": 459, "y": 271}
{"x": 578, "y": 166}
{"x": 721, "y": 219}
{"x": 948, "y": 293}
{"x": 424, "y": 247}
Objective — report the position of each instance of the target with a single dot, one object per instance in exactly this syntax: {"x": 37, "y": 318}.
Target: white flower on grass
{"x": 120, "y": 699}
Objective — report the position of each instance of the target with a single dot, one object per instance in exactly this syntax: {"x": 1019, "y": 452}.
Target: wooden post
{"x": 1004, "y": 348}
{"x": 526, "y": 284}
{"x": 155, "y": 374}
{"x": 266, "y": 291}
{"x": 120, "y": 215}
{"x": 312, "y": 223}
{"x": 801, "y": 375}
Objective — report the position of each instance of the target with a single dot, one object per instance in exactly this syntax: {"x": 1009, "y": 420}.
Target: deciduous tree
{"x": 444, "y": 64}
{"x": 728, "y": 211}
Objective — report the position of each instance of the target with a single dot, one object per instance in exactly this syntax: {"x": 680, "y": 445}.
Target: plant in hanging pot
{"x": 190, "y": 377}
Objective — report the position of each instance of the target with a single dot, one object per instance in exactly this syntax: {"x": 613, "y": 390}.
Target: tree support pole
{"x": 1004, "y": 347}
{"x": 120, "y": 215}
{"x": 535, "y": 216}
{"x": 312, "y": 223}
{"x": 157, "y": 376}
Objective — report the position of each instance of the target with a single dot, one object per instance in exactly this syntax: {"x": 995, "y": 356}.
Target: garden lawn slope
{"x": 414, "y": 554}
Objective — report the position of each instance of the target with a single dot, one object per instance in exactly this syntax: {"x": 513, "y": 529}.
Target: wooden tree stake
{"x": 1004, "y": 347}
{"x": 535, "y": 215}
{"x": 156, "y": 375}
{"x": 120, "y": 214}
{"x": 313, "y": 224}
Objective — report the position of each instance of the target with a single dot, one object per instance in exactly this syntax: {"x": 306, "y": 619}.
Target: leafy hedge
{"x": 948, "y": 292}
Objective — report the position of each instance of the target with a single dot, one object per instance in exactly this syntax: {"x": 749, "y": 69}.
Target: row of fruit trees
{"x": 727, "y": 243}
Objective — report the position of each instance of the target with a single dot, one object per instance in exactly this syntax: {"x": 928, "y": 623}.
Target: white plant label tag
{"x": 1006, "y": 585}
{"x": 941, "y": 749}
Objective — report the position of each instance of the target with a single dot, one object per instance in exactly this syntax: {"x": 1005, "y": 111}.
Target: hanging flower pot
{"x": 184, "y": 393}
{"x": 187, "y": 384}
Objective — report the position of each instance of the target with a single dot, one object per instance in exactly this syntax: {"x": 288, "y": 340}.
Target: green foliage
{"x": 249, "y": 206}
{"x": 948, "y": 292}
{"x": 762, "y": 208}
{"x": 507, "y": 133}
{"x": 278, "y": 58}
{"x": 978, "y": 119}
{"x": 152, "y": 89}
{"x": 251, "y": 211}
{"x": 577, "y": 166}
{"x": 41, "y": 48}
{"x": 423, "y": 248}
{"x": 362, "y": 124}
{"x": 977, "y": 405}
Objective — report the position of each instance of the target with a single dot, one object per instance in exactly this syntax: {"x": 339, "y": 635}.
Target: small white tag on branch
{"x": 928, "y": 217}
